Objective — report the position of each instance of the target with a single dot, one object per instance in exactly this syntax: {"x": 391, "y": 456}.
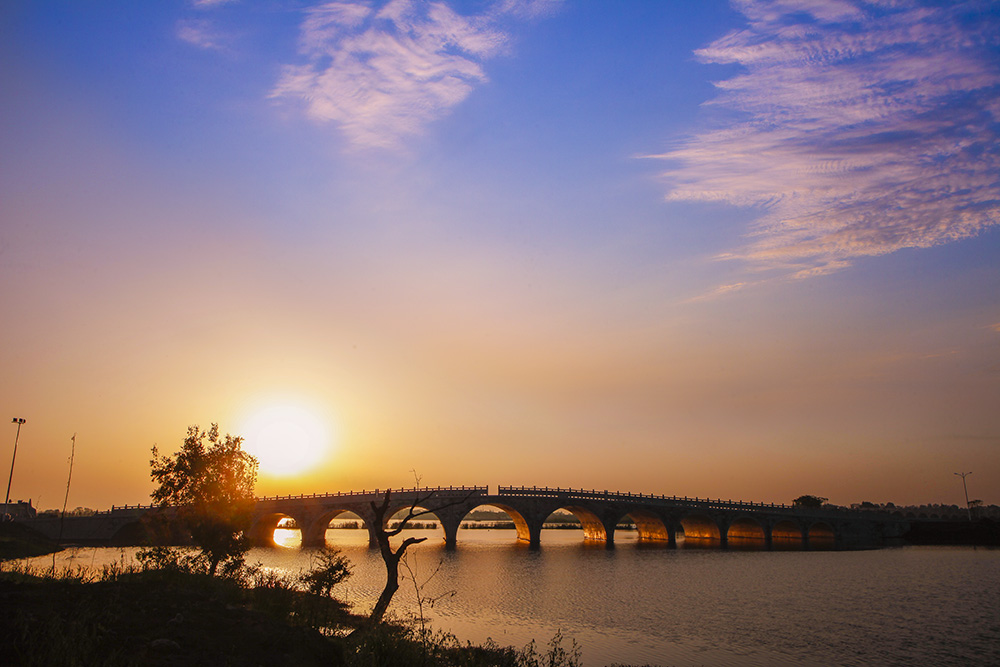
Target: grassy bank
{"x": 126, "y": 615}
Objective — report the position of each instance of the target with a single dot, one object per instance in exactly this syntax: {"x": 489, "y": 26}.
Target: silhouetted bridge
{"x": 656, "y": 518}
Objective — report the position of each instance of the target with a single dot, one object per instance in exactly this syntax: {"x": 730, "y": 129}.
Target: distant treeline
{"x": 934, "y": 511}
{"x": 79, "y": 511}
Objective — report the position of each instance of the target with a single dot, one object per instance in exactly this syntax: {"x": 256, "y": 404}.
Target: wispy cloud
{"x": 862, "y": 128}
{"x": 383, "y": 72}
{"x": 203, "y": 34}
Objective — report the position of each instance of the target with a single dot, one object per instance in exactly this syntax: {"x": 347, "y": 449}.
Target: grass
{"x": 168, "y": 612}
{"x": 125, "y": 615}
{"x": 129, "y": 616}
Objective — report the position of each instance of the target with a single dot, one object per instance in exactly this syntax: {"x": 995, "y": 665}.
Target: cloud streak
{"x": 202, "y": 34}
{"x": 860, "y": 129}
{"x": 383, "y": 73}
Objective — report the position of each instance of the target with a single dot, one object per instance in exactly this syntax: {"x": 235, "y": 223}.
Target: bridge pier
{"x": 451, "y": 520}
{"x": 723, "y": 524}
{"x": 313, "y": 528}
{"x": 534, "y": 532}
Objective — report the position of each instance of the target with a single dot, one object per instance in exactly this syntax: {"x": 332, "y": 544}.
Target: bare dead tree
{"x": 418, "y": 589}
{"x": 390, "y": 556}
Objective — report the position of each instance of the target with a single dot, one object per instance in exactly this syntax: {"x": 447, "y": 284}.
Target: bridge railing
{"x": 549, "y": 492}
{"x": 702, "y": 503}
{"x": 120, "y": 508}
{"x": 628, "y": 496}
{"x": 447, "y": 490}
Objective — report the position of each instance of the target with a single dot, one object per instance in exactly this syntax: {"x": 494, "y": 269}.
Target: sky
{"x": 744, "y": 249}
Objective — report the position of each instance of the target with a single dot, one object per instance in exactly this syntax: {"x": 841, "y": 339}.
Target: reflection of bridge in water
{"x": 657, "y": 519}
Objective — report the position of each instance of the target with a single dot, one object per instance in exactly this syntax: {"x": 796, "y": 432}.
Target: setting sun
{"x": 286, "y": 439}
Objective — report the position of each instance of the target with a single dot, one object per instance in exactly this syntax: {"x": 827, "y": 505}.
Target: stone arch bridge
{"x": 657, "y": 518}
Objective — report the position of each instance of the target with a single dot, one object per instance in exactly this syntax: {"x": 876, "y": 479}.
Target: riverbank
{"x": 982, "y": 533}
{"x": 125, "y": 616}
{"x": 19, "y": 541}
{"x": 157, "y": 617}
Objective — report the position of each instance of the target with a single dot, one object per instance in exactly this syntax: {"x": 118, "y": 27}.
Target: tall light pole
{"x": 964, "y": 486}
{"x": 6, "y": 500}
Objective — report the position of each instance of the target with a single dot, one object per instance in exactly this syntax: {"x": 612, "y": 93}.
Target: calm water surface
{"x": 686, "y": 607}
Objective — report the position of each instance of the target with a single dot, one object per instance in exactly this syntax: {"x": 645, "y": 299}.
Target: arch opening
{"x": 426, "y": 525}
{"x": 699, "y": 531}
{"x": 647, "y": 527}
{"x": 342, "y": 528}
{"x": 485, "y": 521}
{"x": 426, "y": 521}
{"x": 746, "y": 533}
{"x": 573, "y": 518}
{"x": 287, "y": 533}
{"x": 276, "y": 530}
{"x": 786, "y": 536}
{"x": 821, "y": 536}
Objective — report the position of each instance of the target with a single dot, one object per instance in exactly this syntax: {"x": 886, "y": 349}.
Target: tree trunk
{"x": 391, "y": 586}
{"x": 390, "y": 557}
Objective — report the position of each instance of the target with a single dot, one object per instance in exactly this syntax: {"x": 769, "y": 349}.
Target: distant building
{"x": 18, "y": 510}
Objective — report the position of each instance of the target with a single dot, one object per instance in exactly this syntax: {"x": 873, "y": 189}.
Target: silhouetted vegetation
{"x": 210, "y": 488}
{"x": 331, "y": 568}
{"x": 809, "y": 501}
{"x": 126, "y": 615}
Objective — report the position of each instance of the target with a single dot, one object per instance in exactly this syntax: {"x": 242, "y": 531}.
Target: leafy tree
{"x": 974, "y": 507}
{"x": 332, "y": 567}
{"x": 809, "y": 501}
{"x": 210, "y": 487}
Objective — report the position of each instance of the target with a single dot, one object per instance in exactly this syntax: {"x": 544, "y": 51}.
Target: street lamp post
{"x": 965, "y": 486}
{"x": 6, "y": 501}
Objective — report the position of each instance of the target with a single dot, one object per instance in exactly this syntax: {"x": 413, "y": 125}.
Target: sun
{"x": 286, "y": 439}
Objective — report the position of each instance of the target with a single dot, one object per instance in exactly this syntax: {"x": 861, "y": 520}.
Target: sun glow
{"x": 286, "y": 439}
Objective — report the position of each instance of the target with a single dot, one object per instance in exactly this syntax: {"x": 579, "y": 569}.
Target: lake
{"x": 686, "y": 606}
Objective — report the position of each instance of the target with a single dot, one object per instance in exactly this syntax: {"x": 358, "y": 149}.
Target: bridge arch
{"x": 521, "y": 525}
{"x": 787, "y": 534}
{"x": 700, "y": 530}
{"x": 746, "y": 532}
{"x": 594, "y": 529}
{"x": 314, "y": 534}
{"x": 263, "y": 527}
{"x": 820, "y": 535}
{"x": 650, "y": 526}
{"x": 430, "y": 518}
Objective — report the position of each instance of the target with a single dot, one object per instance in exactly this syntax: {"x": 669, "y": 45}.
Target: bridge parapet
{"x": 437, "y": 492}
{"x": 684, "y": 501}
{"x": 627, "y": 496}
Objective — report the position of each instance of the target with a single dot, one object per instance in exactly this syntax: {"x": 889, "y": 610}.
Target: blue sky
{"x": 718, "y": 248}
